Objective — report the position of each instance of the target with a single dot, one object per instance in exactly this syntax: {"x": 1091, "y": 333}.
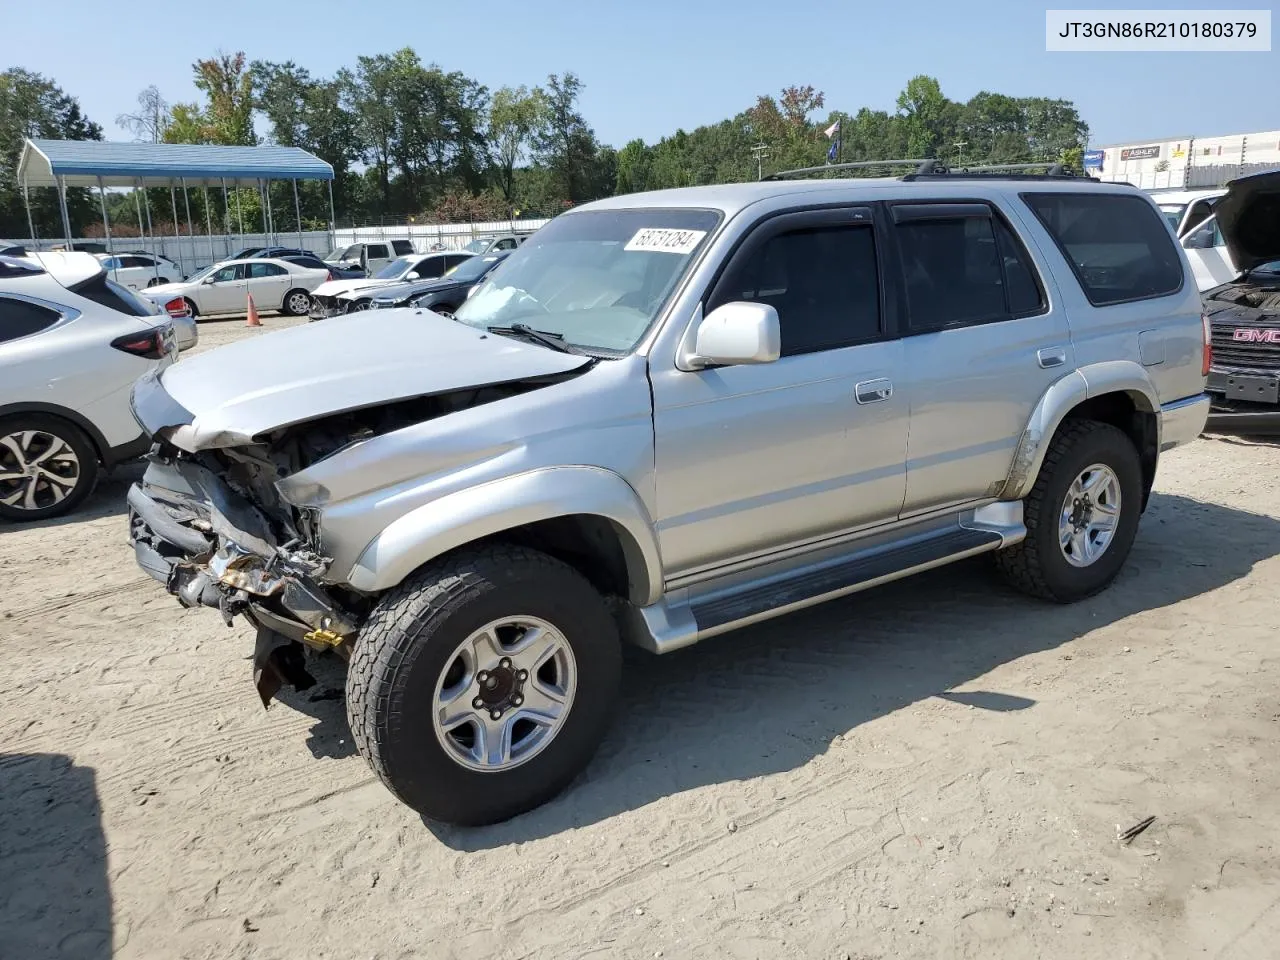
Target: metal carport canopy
{"x": 90, "y": 163}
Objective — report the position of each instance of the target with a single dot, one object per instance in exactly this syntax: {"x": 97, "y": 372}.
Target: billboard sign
{"x": 1140, "y": 153}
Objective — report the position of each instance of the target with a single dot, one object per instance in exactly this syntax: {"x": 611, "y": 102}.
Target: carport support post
{"x": 106, "y": 225}
{"x": 137, "y": 203}
{"x": 186, "y": 200}
{"x": 208, "y": 224}
{"x": 177, "y": 233}
{"x": 271, "y": 221}
{"x": 239, "y": 213}
{"x": 333, "y": 220}
{"x": 62, "y": 203}
{"x": 146, "y": 203}
{"x": 266, "y": 230}
{"x": 26, "y": 202}
{"x": 297, "y": 211}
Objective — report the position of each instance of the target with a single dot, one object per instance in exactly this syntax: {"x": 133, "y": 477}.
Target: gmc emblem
{"x": 1249, "y": 335}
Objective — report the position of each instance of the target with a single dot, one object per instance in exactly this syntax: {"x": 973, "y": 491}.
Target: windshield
{"x": 202, "y": 273}
{"x": 344, "y": 253}
{"x": 396, "y": 268}
{"x": 597, "y": 279}
{"x": 478, "y": 244}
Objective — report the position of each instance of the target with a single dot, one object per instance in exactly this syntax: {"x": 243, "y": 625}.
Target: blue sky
{"x": 652, "y": 67}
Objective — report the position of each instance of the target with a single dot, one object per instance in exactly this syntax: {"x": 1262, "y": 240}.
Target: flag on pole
{"x": 833, "y": 134}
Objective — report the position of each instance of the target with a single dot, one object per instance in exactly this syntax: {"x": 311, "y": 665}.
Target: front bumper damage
{"x": 211, "y": 547}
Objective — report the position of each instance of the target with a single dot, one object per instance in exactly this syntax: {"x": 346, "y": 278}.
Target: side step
{"x": 687, "y": 615}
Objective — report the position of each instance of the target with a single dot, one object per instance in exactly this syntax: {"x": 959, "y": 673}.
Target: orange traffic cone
{"x": 252, "y": 320}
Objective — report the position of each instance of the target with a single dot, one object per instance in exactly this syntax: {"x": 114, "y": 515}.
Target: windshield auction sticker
{"x": 665, "y": 240}
{"x": 1136, "y": 31}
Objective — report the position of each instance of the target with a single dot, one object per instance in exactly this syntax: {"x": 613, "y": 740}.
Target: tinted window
{"x": 105, "y": 291}
{"x": 313, "y": 263}
{"x": 21, "y": 319}
{"x": 454, "y": 259}
{"x": 506, "y": 245}
{"x": 136, "y": 262}
{"x": 1021, "y": 283}
{"x": 952, "y": 271}
{"x": 430, "y": 268}
{"x": 377, "y": 251}
{"x": 821, "y": 280}
{"x": 402, "y": 247}
{"x": 259, "y": 270}
{"x": 1116, "y": 245}
{"x": 225, "y": 274}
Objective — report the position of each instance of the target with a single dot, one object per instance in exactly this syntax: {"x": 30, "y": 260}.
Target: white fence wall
{"x": 193, "y": 253}
{"x": 1191, "y": 161}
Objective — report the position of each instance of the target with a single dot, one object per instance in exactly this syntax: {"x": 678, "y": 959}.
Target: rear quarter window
{"x": 402, "y": 247}
{"x": 18, "y": 318}
{"x": 1118, "y": 247}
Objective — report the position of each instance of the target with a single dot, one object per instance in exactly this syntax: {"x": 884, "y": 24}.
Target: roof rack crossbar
{"x": 854, "y": 165}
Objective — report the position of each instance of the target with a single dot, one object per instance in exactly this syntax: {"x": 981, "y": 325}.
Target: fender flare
{"x": 1063, "y": 396}
{"x": 465, "y": 516}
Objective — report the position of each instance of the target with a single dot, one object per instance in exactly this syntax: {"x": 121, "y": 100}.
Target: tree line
{"x": 409, "y": 140}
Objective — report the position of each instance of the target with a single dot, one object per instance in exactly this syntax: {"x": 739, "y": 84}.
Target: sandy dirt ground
{"x": 934, "y": 769}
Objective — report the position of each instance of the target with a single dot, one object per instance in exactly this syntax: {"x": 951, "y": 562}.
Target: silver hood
{"x": 238, "y": 392}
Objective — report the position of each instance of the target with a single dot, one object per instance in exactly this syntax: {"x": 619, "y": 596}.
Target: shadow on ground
{"x": 55, "y": 897}
{"x": 330, "y": 736}
{"x": 772, "y": 697}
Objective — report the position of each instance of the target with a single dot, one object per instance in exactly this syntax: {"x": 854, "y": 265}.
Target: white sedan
{"x": 225, "y": 287}
{"x": 138, "y": 270}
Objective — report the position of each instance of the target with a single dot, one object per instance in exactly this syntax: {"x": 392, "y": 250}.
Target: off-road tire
{"x": 81, "y": 445}
{"x": 409, "y": 639}
{"x": 1036, "y": 566}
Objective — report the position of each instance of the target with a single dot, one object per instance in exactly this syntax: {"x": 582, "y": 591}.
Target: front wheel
{"x": 157, "y": 281}
{"x": 297, "y": 303}
{"x": 482, "y": 685}
{"x": 1081, "y": 515}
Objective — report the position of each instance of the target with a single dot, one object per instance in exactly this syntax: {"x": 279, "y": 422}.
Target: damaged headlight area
{"x": 211, "y": 546}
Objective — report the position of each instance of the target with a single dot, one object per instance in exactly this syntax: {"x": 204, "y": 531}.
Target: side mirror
{"x": 1200, "y": 238}
{"x": 413, "y": 276}
{"x": 736, "y": 333}
{"x": 212, "y": 278}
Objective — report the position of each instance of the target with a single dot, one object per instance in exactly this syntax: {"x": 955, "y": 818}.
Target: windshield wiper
{"x": 555, "y": 341}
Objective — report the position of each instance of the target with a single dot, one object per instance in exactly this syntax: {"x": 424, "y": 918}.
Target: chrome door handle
{"x": 873, "y": 391}
{"x": 1051, "y": 357}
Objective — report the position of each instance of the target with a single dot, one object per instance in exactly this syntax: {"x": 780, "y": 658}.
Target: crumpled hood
{"x": 337, "y": 288}
{"x": 1249, "y": 218}
{"x": 303, "y": 373}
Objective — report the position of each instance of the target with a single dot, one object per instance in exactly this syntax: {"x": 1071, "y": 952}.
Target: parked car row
{"x": 337, "y": 297}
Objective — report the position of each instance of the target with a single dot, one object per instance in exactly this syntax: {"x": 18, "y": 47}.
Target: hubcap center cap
{"x": 1081, "y": 513}
{"x": 500, "y": 688}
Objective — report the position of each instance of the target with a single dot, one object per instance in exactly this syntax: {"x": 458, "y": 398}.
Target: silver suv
{"x": 666, "y": 416}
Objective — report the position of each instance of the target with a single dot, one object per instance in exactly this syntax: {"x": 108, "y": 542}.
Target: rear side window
{"x": 430, "y": 268}
{"x": 822, "y": 280}
{"x": 18, "y": 318}
{"x": 310, "y": 262}
{"x": 378, "y": 251}
{"x": 962, "y": 265}
{"x": 1117, "y": 246}
{"x": 402, "y": 247}
{"x": 101, "y": 289}
{"x": 259, "y": 270}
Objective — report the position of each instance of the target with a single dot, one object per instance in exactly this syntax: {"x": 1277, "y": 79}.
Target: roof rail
{"x": 1053, "y": 170}
{"x": 856, "y": 165}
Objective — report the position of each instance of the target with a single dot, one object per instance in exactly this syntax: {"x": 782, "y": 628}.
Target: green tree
{"x": 32, "y": 106}
{"x": 225, "y": 81}
{"x": 567, "y": 145}
{"x": 516, "y": 118}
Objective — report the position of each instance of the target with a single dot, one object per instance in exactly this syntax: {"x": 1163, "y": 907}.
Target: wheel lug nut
{"x": 482, "y": 676}
{"x": 477, "y": 703}
{"x": 504, "y": 662}
{"x": 522, "y": 675}
{"x": 495, "y": 714}
{"x": 517, "y": 700}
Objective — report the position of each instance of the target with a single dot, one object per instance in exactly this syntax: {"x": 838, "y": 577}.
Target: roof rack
{"x": 920, "y": 165}
{"x": 1053, "y": 170}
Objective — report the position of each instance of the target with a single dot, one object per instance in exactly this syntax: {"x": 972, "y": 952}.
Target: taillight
{"x": 148, "y": 345}
{"x": 177, "y": 307}
{"x": 1207, "y": 360}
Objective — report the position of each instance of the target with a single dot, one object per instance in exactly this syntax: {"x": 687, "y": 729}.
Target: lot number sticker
{"x": 665, "y": 241}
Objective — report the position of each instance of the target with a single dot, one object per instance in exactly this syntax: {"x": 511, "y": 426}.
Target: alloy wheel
{"x": 1090, "y": 512}
{"x": 38, "y": 470}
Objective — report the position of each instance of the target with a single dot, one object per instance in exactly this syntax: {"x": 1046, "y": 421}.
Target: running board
{"x": 694, "y": 613}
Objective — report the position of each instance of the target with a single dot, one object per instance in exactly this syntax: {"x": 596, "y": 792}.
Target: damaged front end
{"x": 208, "y": 543}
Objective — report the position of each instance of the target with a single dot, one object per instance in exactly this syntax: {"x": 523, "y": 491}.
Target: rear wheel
{"x": 47, "y": 467}
{"x": 297, "y": 303}
{"x": 482, "y": 686}
{"x": 191, "y": 305}
{"x": 361, "y": 304}
{"x": 1081, "y": 515}
{"x": 157, "y": 281}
